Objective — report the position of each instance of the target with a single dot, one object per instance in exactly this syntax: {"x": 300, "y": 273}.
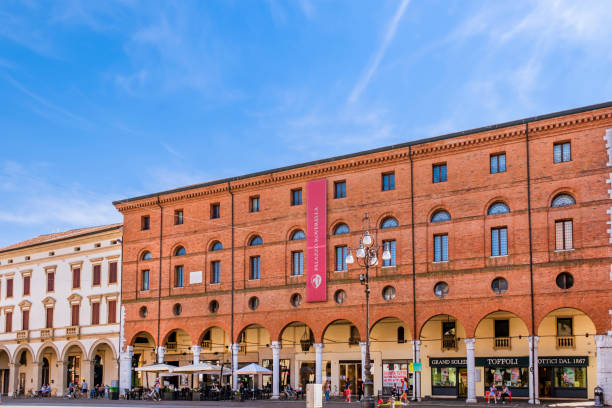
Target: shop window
{"x": 514, "y": 377}
{"x": 213, "y": 306}
{"x": 449, "y": 335}
{"x": 499, "y": 286}
{"x": 439, "y": 173}
{"x": 296, "y": 196}
{"x": 562, "y": 152}
{"x": 565, "y": 280}
{"x": 444, "y": 376}
{"x": 388, "y": 181}
{"x": 570, "y": 377}
{"x": 401, "y": 335}
{"x": 498, "y": 163}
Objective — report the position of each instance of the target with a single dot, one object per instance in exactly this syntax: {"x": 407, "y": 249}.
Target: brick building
{"x": 500, "y": 240}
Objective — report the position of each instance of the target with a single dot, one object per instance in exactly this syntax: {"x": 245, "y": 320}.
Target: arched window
{"x": 401, "y": 337}
{"x": 341, "y": 229}
{"x": 389, "y": 222}
{"x": 256, "y": 240}
{"x": 180, "y": 251}
{"x": 216, "y": 246}
{"x": 440, "y": 215}
{"x": 297, "y": 235}
{"x": 498, "y": 208}
{"x": 563, "y": 200}
{"x": 146, "y": 256}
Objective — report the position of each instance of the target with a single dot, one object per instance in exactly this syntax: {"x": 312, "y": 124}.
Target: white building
{"x": 60, "y": 310}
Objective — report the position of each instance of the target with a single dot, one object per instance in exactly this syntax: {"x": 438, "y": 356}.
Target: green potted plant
{"x": 195, "y": 394}
{"x": 168, "y": 394}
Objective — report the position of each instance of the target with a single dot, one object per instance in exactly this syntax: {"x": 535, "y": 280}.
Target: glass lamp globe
{"x": 349, "y": 258}
{"x": 367, "y": 238}
{"x": 360, "y": 252}
{"x": 373, "y": 261}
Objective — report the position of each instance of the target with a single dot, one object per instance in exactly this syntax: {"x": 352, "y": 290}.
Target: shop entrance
{"x": 545, "y": 378}
{"x": 462, "y": 384}
{"x": 350, "y": 371}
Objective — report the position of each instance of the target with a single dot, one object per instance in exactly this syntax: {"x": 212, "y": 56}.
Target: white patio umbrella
{"x": 154, "y": 368}
{"x": 253, "y": 369}
{"x": 195, "y": 368}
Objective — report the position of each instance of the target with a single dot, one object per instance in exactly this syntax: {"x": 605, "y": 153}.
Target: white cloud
{"x": 380, "y": 53}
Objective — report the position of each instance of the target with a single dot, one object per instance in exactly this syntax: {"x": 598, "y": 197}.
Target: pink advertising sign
{"x": 316, "y": 239}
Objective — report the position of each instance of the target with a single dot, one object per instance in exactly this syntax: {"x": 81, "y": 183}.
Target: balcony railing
{"x": 23, "y": 335}
{"x": 46, "y": 333}
{"x": 449, "y": 342}
{"x": 171, "y": 346}
{"x": 72, "y": 331}
{"x": 565, "y": 342}
{"x": 502, "y": 343}
{"x": 206, "y": 344}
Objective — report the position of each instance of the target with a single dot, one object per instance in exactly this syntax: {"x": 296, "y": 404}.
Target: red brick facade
{"x": 467, "y": 195}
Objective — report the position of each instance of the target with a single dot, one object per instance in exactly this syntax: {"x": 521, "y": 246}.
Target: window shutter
{"x": 112, "y": 272}
{"x": 49, "y": 316}
{"x": 96, "y": 274}
{"x": 50, "y": 281}
{"x": 25, "y": 320}
{"x": 112, "y": 311}
{"x": 75, "y": 315}
{"x": 9, "y": 322}
{"x": 26, "y": 285}
{"x": 76, "y": 278}
{"x": 95, "y": 313}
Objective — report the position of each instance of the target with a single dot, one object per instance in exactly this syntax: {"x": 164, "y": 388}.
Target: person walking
{"x": 326, "y": 391}
{"x": 84, "y": 388}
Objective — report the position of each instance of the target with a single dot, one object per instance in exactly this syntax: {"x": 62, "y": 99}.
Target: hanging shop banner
{"x": 316, "y": 239}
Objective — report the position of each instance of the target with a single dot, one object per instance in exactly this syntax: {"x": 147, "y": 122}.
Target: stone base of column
{"x": 275, "y": 397}
{"x": 532, "y": 402}
{"x": 471, "y": 401}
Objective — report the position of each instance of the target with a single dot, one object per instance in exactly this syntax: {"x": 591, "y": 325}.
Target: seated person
{"x": 506, "y": 394}
{"x": 492, "y": 393}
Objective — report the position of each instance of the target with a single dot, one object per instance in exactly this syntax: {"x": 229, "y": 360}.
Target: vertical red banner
{"x": 316, "y": 239}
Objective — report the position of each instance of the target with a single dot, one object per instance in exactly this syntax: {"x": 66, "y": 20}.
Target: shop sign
{"x": 392, "y": 375}
{"x": 565, "y": 361}
{"x": 502, "y": 361}
{"x": 316, "y": 239}
{"x": 448, "y": 362}
{"x": 414, "y": 367}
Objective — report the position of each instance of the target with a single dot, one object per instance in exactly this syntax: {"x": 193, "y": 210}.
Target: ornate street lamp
{"x": 367, "y": 256}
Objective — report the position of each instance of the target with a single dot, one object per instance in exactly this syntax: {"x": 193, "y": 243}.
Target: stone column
{"x": 362, "y": 345}
{"x": 161, "y": 352}
{"x": 61, "y": 385}
{"x": 87, "y": 373}
{"x": 604, "y": 365}
{"x": 13, "y": 378}
{"x": 125, "y": 369}
{"x": 235, "y": 348}
{"x": 533, "y": 369}
{"x": 196, "y": 350}
{"x": 471, "y": 371}
{"x": 318, "y": 363}
{"x": 416, "y": 350}
{"x": 275, "y": 346}
{"x": 35, "y": 384}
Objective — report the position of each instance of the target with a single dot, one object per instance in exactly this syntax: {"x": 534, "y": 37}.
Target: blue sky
{"x": 108, "y": 100}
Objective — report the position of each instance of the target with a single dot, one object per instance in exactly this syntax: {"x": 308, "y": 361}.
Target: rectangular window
{"x": 178, "y": 217}
{"x": 8, "y": 324}
{"x": 439, "y": 173}
{"x": 95, "y": 313}
{"x": 390, "y": 246}
{"x": 499, "y": 241}
{"x": 502, "y": 328}
{"x": 296, "y": 196}
{"x": 9, "y": 288}
{"x": 215, "y": 272}
{"x": 562, "y": 152}
{"x": 75, "y": 315}
{"x": 254, "y": 204}
{"x": 388, "y": 181}
{"x": 50, "y": 281}
{"x": 255, "y": 268}
{"x": 76, "y": 278}
{"x": 341, "y": 252}
{"x": 441, "y": 248}
{"x": 145, "y": 280}
{"x": 298, "y": 263}
{"x": 215, "y": 210}
{"x": 340, "y": 189}
{"x": 565, "y": 327}
{"x": 145, "y": 222}
{"x": 498, "y": 163}
{"x": 563, "y": 235}
{"x": 112, "y": 311}
{"x": 26, "y": 285}
{"x": 25, "y": 320}
{"x": 112, "y": 272}
{"x": 49, "y": 318}
{"x": 179, "y": 276}
{"x": 97, "y": 275}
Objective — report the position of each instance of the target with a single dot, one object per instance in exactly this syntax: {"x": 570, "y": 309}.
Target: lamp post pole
{"x": 367, "y": 255}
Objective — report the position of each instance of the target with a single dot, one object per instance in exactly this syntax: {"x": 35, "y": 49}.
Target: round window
{"x": 441, "y": 289}
{"x": 296, "y": 299}
{"x": 565, "y": 280}
{"x": 499, "y": 285}
{"x": 177, "y": 309}
{"x": 213, "y": 306}
{"x": 340, "y": 296}
{"x": 388, "y": 293}
{"x": 254, "y": 303}
{"x": 143, "y": 312}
